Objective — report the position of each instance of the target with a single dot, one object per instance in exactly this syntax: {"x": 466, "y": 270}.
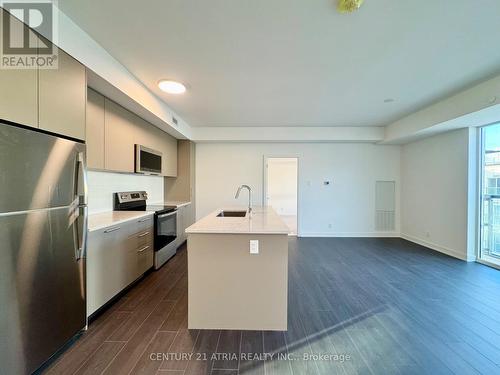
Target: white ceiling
{"x": 298, "y": 62}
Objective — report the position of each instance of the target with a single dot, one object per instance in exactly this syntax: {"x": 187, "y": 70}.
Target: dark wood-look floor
{"x": 392, "y": 306}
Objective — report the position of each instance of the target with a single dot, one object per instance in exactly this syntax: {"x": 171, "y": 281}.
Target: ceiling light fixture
{"x": 349, "y": 6}
{"x": 171, "y": 87}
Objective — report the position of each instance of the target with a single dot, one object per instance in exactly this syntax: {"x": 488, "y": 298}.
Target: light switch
{"x": 254, "y": 246}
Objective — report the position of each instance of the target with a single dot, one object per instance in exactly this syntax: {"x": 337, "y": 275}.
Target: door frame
{"x": 264, "y": 181}
{"x": 479, "y": 195}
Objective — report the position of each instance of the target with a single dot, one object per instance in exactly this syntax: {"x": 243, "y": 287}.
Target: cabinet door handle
{"x": 112, "y": 230}
{"x": 143, "y": 234}
{"x": 143, "y": 220}
{"x": 165, "y": 215}
{"x": 143, "y": 249}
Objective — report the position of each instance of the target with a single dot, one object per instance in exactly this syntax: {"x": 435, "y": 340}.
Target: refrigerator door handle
{"x": 85, "y": 232}
{"x": 80, "y": 231}
{"x": 81, "y": 191}
{"x": 81, "y": 188}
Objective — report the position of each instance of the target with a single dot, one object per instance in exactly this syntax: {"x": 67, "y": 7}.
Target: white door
{"x": 281, "y": 192}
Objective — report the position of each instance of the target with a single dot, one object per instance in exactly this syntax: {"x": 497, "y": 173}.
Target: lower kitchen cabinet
{"x": 140, "y": 244}
{"x": 181, "y": 227}
{"x": 116, "y": 257}
{"x": 185, "y": 218}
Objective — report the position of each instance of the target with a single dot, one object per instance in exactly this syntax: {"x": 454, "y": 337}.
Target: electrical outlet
{"x": 254, "y": 246}
{"x": 330, "y": 226}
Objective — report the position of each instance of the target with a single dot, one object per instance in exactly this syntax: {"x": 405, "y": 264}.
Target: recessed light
{"x": 388, "y": 100}
{"x": 171, "y": 87}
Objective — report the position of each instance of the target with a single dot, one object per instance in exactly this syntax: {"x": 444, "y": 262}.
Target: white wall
{"x": 102, "y": 185}
{"x": 348, "y": 204}
{"x": 467, "y": 108}
{"x": 434, "y": 193}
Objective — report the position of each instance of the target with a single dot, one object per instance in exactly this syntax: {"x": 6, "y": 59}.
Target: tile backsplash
{"x": 102, "y": 185}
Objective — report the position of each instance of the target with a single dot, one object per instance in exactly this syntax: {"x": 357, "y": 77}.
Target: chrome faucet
{"x": 249, "y": 196}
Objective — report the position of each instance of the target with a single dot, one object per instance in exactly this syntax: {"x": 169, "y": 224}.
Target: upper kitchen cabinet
{"x": 167, "y": 145}
{"x": 18, "y": 97}
{"x": 18, "y": 88}
{"x": 170, "y": 151}
{"x": 152, "y": 137}
{"x": 119, "y": 140}
{"x": 182, "y": 188}
{"x": 62, "y": 97}
{"x": 95, "y": 130}
{"x": 123, "y": 130}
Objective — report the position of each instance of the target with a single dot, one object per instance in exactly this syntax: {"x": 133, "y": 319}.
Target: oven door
{"x": 165, "y": 229}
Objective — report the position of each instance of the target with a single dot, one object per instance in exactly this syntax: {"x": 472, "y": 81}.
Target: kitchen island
{"x": 238, "y": 270}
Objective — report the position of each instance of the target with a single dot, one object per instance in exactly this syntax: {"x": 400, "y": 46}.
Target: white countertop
{"x": 262, "y": 220}
{"x": 108, "y": 219}
{"x": 176, "y": 203}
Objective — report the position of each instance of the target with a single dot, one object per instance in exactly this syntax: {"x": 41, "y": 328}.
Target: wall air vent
{"x": 174, "y": 120}
{"x": 385, "y": 206}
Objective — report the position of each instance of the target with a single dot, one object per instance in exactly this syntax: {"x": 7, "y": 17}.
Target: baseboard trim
{"x": 435, "y": 247}
{"x": 352, "y": 234}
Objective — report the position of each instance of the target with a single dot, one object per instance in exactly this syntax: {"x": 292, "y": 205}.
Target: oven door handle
{"x": 166, "y": 215}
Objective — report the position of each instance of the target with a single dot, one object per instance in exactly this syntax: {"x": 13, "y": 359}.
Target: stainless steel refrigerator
{"x": 43, "y": 226}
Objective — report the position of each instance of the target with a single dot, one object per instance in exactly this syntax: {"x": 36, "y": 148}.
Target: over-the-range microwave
{"x": 147, "y": 161}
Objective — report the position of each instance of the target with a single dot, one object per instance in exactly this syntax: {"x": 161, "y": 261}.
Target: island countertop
{"x": 262, "y": 220}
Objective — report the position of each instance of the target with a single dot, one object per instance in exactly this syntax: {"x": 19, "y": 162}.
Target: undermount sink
{"x": 232, "y": 214}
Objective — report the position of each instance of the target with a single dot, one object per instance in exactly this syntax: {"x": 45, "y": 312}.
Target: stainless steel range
{"x": 165, "y": 222}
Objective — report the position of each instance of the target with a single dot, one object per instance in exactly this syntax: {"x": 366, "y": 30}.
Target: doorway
{"x": 281, "y": 188}
{"x": 489, "y": 248}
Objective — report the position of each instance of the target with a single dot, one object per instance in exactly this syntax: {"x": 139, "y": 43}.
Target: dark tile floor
{"x": 356, "y": 306}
